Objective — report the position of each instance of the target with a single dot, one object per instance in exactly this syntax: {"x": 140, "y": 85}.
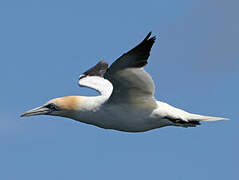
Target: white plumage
{"x": 126, "y": 101}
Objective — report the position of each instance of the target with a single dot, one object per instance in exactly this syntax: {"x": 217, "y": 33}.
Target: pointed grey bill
{"x": 36, "y": 111}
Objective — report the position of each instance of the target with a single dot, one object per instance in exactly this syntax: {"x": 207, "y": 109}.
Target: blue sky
{"x": 46, "y": 45}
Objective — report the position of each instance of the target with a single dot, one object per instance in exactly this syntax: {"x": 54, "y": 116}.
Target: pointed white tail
{"x": 205, "y": 118}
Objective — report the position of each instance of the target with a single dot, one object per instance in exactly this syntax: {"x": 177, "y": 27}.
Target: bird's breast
{"x": 124, "y": 117}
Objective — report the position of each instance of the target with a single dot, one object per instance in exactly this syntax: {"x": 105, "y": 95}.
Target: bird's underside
{"x": 126, "y": 101}
{"x": 140, "y": 117}
{"x": 131, "y": 118}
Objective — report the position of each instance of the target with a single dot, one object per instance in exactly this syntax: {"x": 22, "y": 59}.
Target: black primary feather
{"x": 136, "y": 57}
{"x": 98, "y": 70}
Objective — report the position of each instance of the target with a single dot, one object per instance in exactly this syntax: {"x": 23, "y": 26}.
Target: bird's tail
{"x": 193, "y": 120}
{"x": 197, "y": 117}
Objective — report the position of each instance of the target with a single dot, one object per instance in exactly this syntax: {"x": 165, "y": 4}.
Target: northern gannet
{"x": 126, "y": 101}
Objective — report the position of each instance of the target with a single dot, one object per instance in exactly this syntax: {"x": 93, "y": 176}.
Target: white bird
{"x": 126, "y": 101}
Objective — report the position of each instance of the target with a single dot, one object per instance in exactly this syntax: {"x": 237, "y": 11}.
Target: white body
{"x": 123, "y": 117}
{"x": 130, "y": 117}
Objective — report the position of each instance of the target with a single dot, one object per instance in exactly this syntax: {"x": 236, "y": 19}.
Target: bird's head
{"x": 63, "y": 106}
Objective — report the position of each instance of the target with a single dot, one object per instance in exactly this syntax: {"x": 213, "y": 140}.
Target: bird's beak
{"x": 37, "y": 111}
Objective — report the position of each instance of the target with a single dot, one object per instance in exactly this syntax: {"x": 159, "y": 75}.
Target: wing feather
{"x": 131, "y": 83}
{"x": 93, "y": 78}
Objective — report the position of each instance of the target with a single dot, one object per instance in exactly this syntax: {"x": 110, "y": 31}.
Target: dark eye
{"x": 51, "y": 106}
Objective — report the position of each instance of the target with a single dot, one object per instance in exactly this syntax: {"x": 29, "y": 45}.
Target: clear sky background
{"x": 44, "y": 47}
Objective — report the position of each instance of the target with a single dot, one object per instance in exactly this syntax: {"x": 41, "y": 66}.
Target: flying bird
{"x": 126, "y": 99}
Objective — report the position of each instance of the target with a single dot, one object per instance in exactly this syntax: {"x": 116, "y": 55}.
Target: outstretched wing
{"x": 131, "y": 84}
{"x": 93, "y": 78}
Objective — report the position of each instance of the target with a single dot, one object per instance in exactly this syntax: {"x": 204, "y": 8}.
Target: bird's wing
{"x": 131, "y": 84}
{"x": 93, "y": 78}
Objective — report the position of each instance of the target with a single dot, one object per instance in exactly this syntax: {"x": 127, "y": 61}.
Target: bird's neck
{"x": 80, "y": 103}
{"x": 92, "y": 103}
{"x": 80, "y": 107}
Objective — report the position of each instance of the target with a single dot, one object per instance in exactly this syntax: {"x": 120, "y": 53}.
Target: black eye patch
{"x": 51, "y": 106}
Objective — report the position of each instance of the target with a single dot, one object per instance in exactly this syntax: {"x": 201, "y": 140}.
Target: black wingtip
{"x": 102, "y": 63}
{"x": 98, "y": 70}
{"x": 148, "y": 36}
{"x": 153, "y": 38}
